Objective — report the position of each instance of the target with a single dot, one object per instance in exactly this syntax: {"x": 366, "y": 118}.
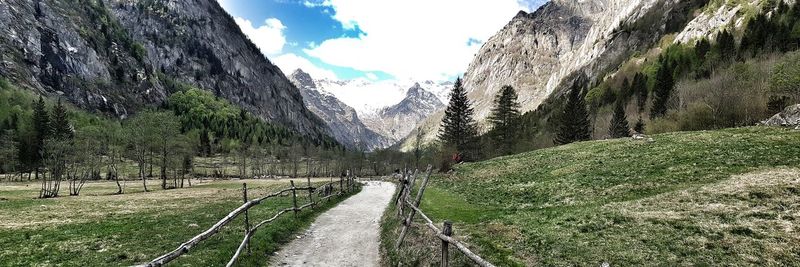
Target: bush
{"x": 663, "y": 125}
{"x": 785, "y": 77}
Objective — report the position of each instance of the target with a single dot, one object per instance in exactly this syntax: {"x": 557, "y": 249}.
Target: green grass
{"x": 100, "y": 229}
{"x": 728, "y": 197}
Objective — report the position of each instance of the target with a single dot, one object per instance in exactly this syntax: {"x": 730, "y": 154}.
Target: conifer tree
{"x": 458, "y": 126}
{"x": 662, "y": 89}
{"x": 726, "y": 45}
{"x": 61, "y": 128}
{"x": 573, "y": 122}
{"x": 701, "y": 48}
{"x": 505, "y": 119}
{"x": 41, "y": 131}
{"x": 639, "y": 86}
{"x": 639, "y": 127}
{"x": 619, "y": 122}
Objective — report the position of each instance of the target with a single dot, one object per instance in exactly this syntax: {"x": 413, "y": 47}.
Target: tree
{"x": 138, "y": 132}
{"x": 725, "y": 45}
{"x": 8, "y": 151}
{"x": 573, "y": 122}
{"x": 165, "y": 136}
{"x": 458, "y": 126}
{"x": 619, "y": 122}
{"x": 61, "y": 128}
{"x": 662, "y": 89}
{"x": 41, "y": 131}
{"x": 57, "y": 154}
{"x": 505, "y": 119}
{"x": 639, "y": 86}
{"x": 420, "y": 134}
{"x": 701, "y": 48}
{"x": 114, "y": 139}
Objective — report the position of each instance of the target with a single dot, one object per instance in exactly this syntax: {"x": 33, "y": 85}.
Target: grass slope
{"x": 101, "y": 229}
{"x": 728, "y": 197}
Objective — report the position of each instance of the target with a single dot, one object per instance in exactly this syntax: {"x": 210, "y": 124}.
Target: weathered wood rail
{"x": 406, "y": 185}
{"x": 326, "y": 191}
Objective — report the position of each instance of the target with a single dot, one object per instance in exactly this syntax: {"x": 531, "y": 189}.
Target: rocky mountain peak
{"x": 302, "y": 79}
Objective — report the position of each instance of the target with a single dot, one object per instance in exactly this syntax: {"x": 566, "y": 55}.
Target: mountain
{"x": 540, "y": 53}
{"x": 399, "y": 120}
{"x": 120, "y": 56}
{"x": 342, "y": 119}
{"x": 391, "y": 108}
{"x": 369, "y": 97}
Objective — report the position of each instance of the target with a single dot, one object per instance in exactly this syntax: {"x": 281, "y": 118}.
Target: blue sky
{"x": 373, "y": 39}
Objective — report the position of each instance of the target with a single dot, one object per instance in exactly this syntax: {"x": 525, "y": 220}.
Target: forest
{"x": 193, "y": 135}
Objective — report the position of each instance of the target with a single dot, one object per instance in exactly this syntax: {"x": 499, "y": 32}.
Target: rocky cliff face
{"x": 117, "y": 56}
{"x": 342, "y": 119}
{"x": 536, "y": 52}
{"x": 399, "y": 120}
{"x": 542, "y": 52}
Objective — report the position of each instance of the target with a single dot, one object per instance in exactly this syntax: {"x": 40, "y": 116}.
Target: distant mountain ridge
{"x": 342, "y": 119}
{"x": 399, "y": 120}
{"x": 388, "y": 109}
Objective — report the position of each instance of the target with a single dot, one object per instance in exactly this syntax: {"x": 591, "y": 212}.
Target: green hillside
{"x": 727, "y": 197}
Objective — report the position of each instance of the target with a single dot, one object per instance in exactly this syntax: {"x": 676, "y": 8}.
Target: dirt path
{"x": 346, "y": 235}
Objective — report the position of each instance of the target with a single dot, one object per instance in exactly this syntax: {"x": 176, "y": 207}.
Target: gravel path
{"x": 346, "y": 235}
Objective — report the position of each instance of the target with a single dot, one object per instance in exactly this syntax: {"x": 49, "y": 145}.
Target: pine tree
{"x": 573, "y": 122}
{"x": 458, "y": 126}
{"x": 701, "y": 48}
{"x": 639, "y": 127}
{"x": 619, "y": 122}
{"x": 726, "y": 45}
{"x": 41, "y": 131}
{"x": 662, "y": 89}
{"x": 505, "y": 119}
{"x": 639, "y": 86}
{"x": 61, "y": 128}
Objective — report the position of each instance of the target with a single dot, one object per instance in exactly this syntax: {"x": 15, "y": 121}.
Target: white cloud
{"x": 371, "y": 76}
{"x": 290, "y": 62}
{"x": 419, "y": 39}
{"x": 268, "y": 37}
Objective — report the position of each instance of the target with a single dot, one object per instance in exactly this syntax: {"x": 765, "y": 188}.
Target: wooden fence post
{"x": 407, "y": 221}
{"x": 310, "y": 193}
{"x": 447, "y": 229}
{"x": 402, "y": 187}
{"x": 294, "y": 199}
{"x": 246, "y": 217}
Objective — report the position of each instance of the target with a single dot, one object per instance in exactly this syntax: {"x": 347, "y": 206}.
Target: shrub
{"x": 785, "y": 77}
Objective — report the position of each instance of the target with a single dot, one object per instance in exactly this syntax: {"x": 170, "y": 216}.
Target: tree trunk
{"x": 141, "y": 174}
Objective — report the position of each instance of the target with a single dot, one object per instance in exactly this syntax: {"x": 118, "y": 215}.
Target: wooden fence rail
{"x": 407, "y": 184}
{"x": 326, "y": 189}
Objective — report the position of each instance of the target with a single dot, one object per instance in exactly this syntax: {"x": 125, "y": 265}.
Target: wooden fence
{"x": 406, "y": 185}
{"x": 325, "y": 191}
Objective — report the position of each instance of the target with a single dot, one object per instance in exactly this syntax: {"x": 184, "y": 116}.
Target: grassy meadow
{"x": 720, "y": 198}
{"x": 100, "y": 228}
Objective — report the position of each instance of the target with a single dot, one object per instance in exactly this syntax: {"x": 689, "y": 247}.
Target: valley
{"x": 399, "y": 133}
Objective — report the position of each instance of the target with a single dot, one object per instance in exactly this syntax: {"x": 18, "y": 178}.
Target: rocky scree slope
{"x": 119, "y": 56}
{"x": 342, "y": 119}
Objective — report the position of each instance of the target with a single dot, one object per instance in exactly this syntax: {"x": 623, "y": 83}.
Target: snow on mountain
{"x": 369, "y": 97}
{"x": 343, "y": 120}
{"x": 399, "y": 120}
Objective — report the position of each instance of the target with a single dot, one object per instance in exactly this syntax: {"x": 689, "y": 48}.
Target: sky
{"x": 373, "y": 39}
